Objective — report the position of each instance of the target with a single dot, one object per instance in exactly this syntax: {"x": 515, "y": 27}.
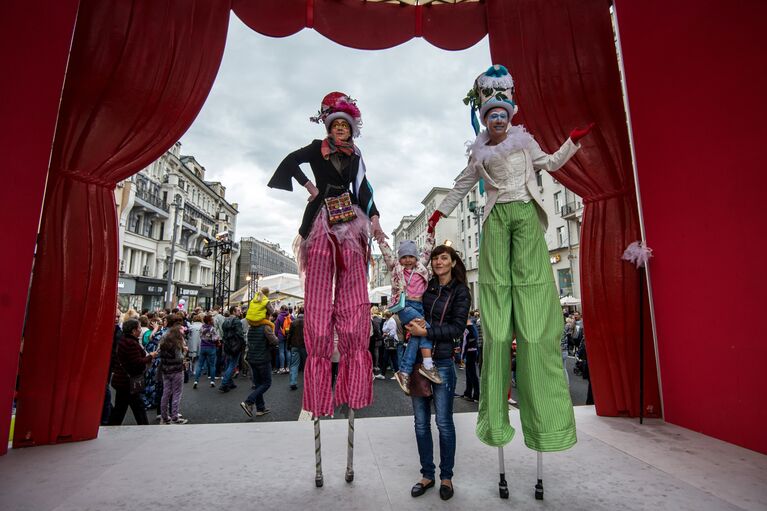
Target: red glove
{"x": 579, "y": 133}
{"x": 433, "y": 219}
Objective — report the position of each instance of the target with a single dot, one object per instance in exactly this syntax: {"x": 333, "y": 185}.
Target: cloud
{"x": 414, "y": 130}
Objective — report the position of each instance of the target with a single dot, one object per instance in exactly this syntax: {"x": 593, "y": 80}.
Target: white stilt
{"x": 503, "y": 488}
{"x": 350, "y": 449}
{"x": 539, "y": 486}
{"x": 318, "y": 480}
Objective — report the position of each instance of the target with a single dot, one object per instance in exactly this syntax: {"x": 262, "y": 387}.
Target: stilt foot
{"x": 503, "y": 488}
{"x": 318, "y": 481}
{"x": 349, "y": 476}
{"x": 539, "y": 490}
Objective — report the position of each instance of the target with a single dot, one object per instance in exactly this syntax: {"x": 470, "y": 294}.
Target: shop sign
{"x": 126, "y": 286}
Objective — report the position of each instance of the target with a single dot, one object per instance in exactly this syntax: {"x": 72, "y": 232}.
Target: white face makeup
{"x": 497, "y": 121}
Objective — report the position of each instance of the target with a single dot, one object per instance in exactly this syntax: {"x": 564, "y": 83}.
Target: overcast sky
{"x": 414, "y": 129}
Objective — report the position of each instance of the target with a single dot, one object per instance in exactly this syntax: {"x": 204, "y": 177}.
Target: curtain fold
{"x": 368, "y": 25}
{"x": 562, "y": 57}
{"x": 138, "y": 75}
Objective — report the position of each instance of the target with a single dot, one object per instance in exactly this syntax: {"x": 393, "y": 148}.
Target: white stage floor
{"x": 616, "y": 464}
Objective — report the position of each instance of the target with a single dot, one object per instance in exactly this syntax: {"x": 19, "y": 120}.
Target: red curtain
{"x": 696, "y": 94}
{"x": 40, "y": 33}
{"x": 138, "y": 75}
{"x": 367, "y": 26}
{"x": 562, "y": 56}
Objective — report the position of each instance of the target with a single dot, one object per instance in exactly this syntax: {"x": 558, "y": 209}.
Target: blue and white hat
{"x": 492, "y": 89}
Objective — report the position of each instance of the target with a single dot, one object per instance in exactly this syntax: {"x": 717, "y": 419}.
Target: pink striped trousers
{"x": 348, "y": 312}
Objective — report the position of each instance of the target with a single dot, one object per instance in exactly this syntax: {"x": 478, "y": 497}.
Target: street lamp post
{"x": 169, "y": 296}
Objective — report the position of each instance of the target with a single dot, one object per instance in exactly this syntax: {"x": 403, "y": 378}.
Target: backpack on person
{"x": 233, "y": 343}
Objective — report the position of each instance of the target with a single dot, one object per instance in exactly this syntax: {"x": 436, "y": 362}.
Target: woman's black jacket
{"x": 329, "y": 181}
{"x": 446, "y": 309}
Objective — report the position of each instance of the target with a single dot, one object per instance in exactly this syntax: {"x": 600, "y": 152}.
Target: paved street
{"x": 207, "y": 405}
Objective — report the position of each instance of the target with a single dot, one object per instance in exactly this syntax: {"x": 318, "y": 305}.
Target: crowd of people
{"x": 155, "y": 352}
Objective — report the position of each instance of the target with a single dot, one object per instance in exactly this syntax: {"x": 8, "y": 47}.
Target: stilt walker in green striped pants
{"x": 517, "y": 294}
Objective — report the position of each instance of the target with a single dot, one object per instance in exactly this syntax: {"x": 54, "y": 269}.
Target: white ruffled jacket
{"x": 492, "y": 163}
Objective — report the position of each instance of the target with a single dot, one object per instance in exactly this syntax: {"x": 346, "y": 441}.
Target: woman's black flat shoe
{"x": 445, "y": 492}
{"x": 419, "y": 489}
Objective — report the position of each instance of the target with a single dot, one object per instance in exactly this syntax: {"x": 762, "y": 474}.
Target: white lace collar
{"x": 517, "y": 139}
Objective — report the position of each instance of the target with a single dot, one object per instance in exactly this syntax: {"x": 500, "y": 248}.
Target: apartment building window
{"x": 476, "y": 239}
{"x": 470, "y": 263}
{"x": 558, "y": 202}
{"x": 468, "y": 222}
{"x": 561, "y": 236}
{"x": 469, "y": 241}
{"x": 463, "y": 226}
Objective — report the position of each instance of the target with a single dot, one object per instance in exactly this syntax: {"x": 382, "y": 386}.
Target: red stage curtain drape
{"x": 696, "y": 93}
{"x": 40, "y": 34}
{"x": 138, "y": 75}
{"x": 367, "y": 26}
{"x": 562, "y": 56}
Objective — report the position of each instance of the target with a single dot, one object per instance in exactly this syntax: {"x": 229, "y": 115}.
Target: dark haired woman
{"x": 446, "y": 304}
{"x": 172, "y": 351}
{"x": 130, "y": 361}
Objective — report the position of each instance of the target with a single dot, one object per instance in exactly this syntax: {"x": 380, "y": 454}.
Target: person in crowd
{"x": 193, "y": 341}
{"x": 480, "y": 339}
{"x": 106, "y": 408}
{"x": 281, "y": 326}
{"x": 564, "y": 346}
{"x": 234, "y": 343}
{"x": 154, "y": 384}
{"x": 469, "y": 349}
{"x": 584, "y": 370}
{"x": 218, "y": 322}
{"x": 209, "y": 340}
{"x": 130, "y": 363}
{"x": 446, "y": 302}
{"x": 577, "y": 332}
{"x": 172, "y": 353}
{"x": 155, "y": 324}
{"x": 388, "y": 352}
{"x": 295, "y": 340}
{"x": 260, "y": 338}
{"x": 376, "y": 341}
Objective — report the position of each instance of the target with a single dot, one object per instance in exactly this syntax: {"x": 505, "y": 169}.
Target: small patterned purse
{"x": 340, "y": 209}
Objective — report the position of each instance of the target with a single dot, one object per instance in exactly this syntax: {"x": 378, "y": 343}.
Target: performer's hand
{"x": 579, "y": 133}
{"x": 313, "y": 191}
{"x": 378, "y": 233}
{"x": 433, "y": 219}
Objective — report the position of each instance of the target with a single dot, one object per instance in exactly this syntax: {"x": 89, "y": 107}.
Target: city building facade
{"x": 263, "y": 258}
{"x": 171, "y": 190}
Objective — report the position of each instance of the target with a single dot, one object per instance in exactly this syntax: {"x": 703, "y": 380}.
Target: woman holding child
{"x": 446, "y": 302}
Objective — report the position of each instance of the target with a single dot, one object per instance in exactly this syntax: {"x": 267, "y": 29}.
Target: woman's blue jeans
{"x": 207, "y": 358}
{"x": 442, "y": 395}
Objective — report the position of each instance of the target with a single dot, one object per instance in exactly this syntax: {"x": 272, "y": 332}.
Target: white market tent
{"x": 375, "y": 294}
{"x": 568, "y": 300}
{"x": 282, "y": 287}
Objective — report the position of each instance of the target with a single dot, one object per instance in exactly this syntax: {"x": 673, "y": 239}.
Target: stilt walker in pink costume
{"x": 332, "y": 250}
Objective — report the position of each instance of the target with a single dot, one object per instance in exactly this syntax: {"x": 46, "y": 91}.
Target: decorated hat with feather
{"x": 338, "y": 105}
{"x": 492, "y": 89}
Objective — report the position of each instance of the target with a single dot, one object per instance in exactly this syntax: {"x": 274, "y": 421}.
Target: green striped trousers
{"x": 517, "y": 296}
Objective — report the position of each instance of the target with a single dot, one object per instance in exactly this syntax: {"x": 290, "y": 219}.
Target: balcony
{"x": 197, "y": 256}
{"x": 154, "y": 201}
{"x": 571, "y": 210}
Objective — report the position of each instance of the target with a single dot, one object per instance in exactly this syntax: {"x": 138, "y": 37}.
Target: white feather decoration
{"x": 637, "y": 253}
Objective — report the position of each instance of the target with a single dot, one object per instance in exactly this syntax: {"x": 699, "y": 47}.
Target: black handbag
{"x": 137, "y": 384}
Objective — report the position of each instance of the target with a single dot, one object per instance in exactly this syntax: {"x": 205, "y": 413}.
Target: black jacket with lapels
{"x": 329, "y": 181}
